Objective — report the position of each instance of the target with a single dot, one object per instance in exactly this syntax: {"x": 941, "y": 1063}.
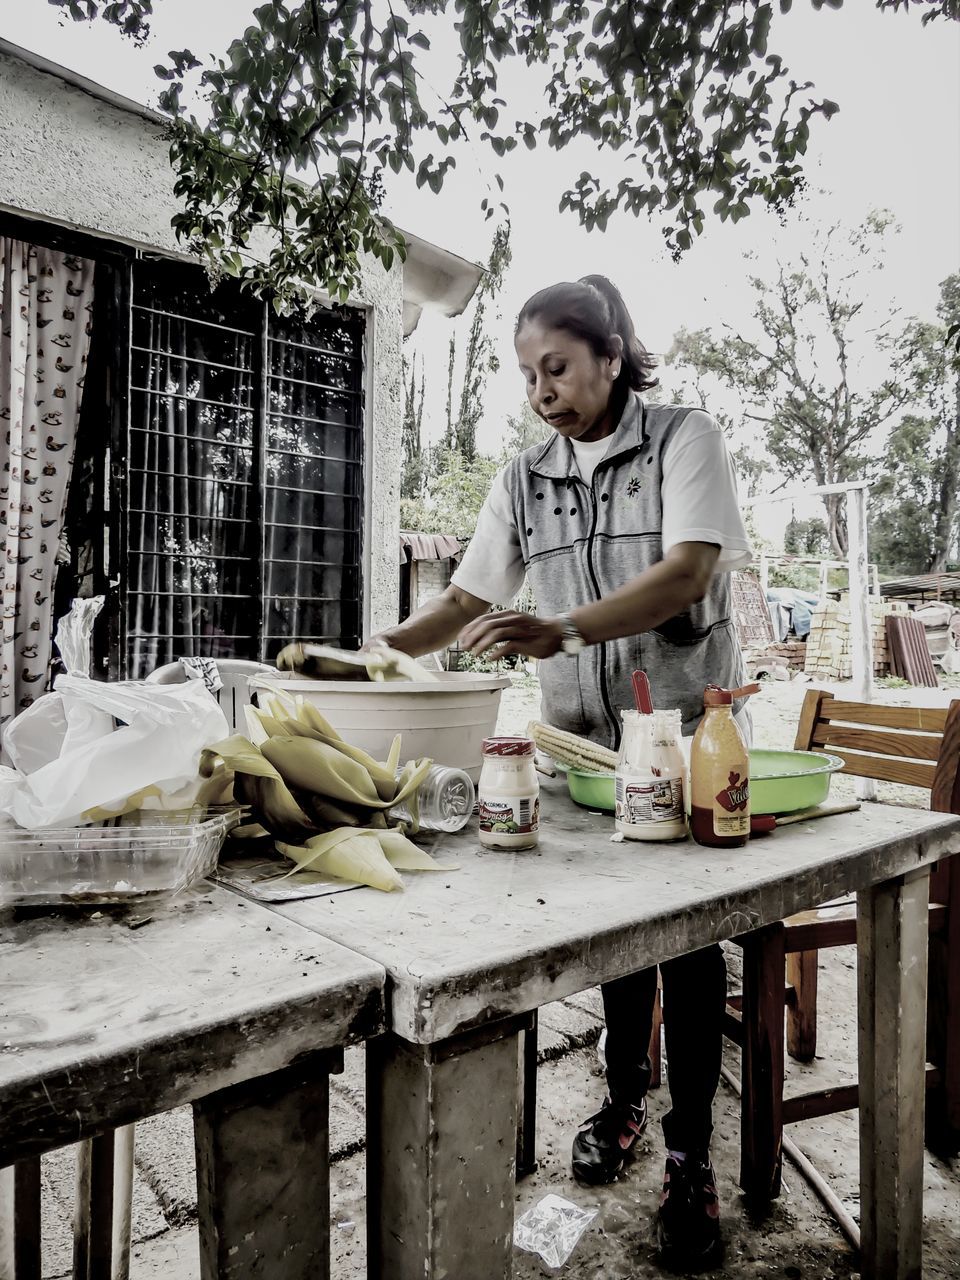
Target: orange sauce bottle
{"x": 720, "y": 772}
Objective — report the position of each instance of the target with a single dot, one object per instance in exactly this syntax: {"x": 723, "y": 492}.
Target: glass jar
{"x": 649, "y": 777}
{"x": 443, "y": 801}
{"x": 509, "y": 794}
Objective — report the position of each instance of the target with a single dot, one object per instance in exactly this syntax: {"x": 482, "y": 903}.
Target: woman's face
{"x": 567, "y": 384}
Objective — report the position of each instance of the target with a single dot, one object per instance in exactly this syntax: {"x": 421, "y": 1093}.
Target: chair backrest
{"x": 913, "y": 746}
{"x": 234, "y": 695}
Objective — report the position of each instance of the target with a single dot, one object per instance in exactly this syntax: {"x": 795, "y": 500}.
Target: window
{"x": 242, "y": 494}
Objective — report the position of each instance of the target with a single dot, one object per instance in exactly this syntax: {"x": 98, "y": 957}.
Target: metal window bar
{"x": 211, "y": 364}
{"x": 321, "y": 422}
{"x": 182, "y": 521}
{"x": 189, "y": 399}
{"x": 208, "y": 440}
{"x": 318, "y": 386}
{"x": 185, "y": 319}
{"x": 322, "y": 351}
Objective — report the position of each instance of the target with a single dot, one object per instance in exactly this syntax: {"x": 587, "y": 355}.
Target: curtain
{"x": 46, "y": 300}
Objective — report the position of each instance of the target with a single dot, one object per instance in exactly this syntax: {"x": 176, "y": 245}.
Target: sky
{"x": 894, "y": 144}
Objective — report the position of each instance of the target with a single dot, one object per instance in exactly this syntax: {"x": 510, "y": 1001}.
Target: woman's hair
{"x": 593, "y": 310}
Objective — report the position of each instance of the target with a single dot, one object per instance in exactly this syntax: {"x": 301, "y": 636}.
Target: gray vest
{"x": 581, "y": 542}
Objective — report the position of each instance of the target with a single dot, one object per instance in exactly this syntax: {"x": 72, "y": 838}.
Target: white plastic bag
{"x": 73, "y": 761}
{"x": 552, "y": 1228}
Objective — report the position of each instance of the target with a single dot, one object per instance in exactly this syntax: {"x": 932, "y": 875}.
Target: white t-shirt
{"x": 698, "y": 495}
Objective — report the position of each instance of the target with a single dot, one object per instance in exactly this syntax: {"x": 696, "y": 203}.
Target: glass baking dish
{"x": 143, "y": 855}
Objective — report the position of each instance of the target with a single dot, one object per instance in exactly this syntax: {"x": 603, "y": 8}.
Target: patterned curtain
{"x": 46, "y": 299}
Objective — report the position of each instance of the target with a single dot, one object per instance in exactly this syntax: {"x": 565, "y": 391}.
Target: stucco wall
{"x": 69, "y": 158}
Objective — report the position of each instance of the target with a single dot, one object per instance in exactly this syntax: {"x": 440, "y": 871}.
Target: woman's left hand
{"x": 509, "y": 632}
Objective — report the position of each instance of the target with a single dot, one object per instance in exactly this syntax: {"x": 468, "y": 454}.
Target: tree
{"x": 328, "y": 92}
{"x": 415, "y": 462}
{"x": 524, "y": 429}
{"x": 806, "y": 537}
{"x": 916, "y": 504}
{"x": 480, "y": 357}
{"x": 456, "y": 494}
{"x": 800, "y": 378}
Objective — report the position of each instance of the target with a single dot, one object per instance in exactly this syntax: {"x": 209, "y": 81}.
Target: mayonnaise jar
{"x": 649, "y": 778}
{"x": 509, "y": 794}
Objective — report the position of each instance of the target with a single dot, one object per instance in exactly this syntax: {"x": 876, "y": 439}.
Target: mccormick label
{"x": 732, "y": 815}
{"x": 510, "y": 815}
{"x": 649, "y": 800}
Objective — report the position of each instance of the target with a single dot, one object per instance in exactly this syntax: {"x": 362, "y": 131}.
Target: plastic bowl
{"x": 780, "y": 782}
{"x": 592, "y": 790}
{"x": 446, "y": 719}
{"x": 786, "y": 781}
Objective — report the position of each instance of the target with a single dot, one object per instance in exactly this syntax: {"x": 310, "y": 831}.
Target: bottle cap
{"x": 508, "y": 747}
{"x": 714, "y": 696}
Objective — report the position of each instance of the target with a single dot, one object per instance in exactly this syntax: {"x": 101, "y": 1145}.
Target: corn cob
{"x": 570, "y": 750}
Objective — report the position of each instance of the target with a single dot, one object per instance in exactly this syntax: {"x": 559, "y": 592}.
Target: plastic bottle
{"x": 720, "y": 772}
{"x": 443, "y": 801}
{"x": 649, "y": 777}
{"x": 509, "y": 794}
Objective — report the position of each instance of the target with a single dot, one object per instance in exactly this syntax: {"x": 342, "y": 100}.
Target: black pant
{"x": 694, "y": 998}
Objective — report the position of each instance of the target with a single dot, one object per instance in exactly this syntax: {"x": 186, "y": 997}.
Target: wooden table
{"x": 470, "y": 953}
{"x": 202, "y": 998}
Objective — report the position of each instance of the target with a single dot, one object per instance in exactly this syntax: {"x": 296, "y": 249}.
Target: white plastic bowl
{"x": 446, "y": 719}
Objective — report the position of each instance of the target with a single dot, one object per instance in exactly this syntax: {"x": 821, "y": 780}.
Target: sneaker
{"x": 606, "y": 1141}
{"x": 688, "y": 1220}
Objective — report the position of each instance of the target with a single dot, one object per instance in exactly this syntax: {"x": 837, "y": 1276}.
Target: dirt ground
{"x": 798, "y": 1241}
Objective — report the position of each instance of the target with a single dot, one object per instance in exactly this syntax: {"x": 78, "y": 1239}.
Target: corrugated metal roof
{"x": 922, "y": 584}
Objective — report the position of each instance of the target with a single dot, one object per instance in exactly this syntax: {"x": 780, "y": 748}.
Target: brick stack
{"x": 828, "y": 645}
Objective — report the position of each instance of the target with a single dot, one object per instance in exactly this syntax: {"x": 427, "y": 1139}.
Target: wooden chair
{"x": 908, "y": 745}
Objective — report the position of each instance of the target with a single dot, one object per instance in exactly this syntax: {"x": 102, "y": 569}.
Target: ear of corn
{"x": 323, "y": 801}
{"x": 570, "y": 750}
{"x": 350, "y": 855}
{"x": 404, "y": 855}
{"x": 313, "y": 766}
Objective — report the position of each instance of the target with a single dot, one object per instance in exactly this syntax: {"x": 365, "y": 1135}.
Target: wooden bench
{"x": 204, "y": 999}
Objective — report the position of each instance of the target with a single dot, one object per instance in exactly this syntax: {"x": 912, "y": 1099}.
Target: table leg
{"x": 6, "y": 1223}
{"x": 761, "y": 1110}
{"x": 20, "y": 1220}
{"x": 441, "y": 1146}
{"x": 892, "y": 998}
{"x": 263, "y": 1176}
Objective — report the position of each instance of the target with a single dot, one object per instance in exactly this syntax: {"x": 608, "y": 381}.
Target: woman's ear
{"x": 616, "y": 356}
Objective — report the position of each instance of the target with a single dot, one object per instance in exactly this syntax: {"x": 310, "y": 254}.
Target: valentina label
{"x": 736, "y": 795}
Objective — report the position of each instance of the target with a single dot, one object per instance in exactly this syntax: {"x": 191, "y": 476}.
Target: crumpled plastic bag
{"x": 552, "y": 1228}
{"x": 76, "y": 766}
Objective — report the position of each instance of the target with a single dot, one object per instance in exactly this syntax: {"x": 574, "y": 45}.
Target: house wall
{"x": 433, "y": 577}
{"x": 71, "y": 158}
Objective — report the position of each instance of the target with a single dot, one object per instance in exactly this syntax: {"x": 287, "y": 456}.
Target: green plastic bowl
{"x": 592, "y": 790}
{"x": 786, "y": 781}
{"x": 780, "y": 782}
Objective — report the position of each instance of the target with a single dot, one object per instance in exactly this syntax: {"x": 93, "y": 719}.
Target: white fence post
{"x": 861, "y": 637}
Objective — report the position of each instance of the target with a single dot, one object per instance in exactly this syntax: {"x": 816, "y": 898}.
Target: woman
{"x": 625, "y": 522}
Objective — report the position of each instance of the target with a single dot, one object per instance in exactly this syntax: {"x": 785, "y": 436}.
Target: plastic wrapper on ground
{"x": 552, "y": 1228}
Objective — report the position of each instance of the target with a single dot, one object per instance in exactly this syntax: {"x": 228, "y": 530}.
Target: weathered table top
{"x": 101, "y": 1023}
{"x": 508, "y": 932}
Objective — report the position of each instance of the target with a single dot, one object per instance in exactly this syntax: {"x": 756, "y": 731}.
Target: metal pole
{"x": 861, "y": 637}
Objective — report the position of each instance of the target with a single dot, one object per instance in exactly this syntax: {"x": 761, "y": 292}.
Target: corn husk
{"x": 348, "y": 855}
